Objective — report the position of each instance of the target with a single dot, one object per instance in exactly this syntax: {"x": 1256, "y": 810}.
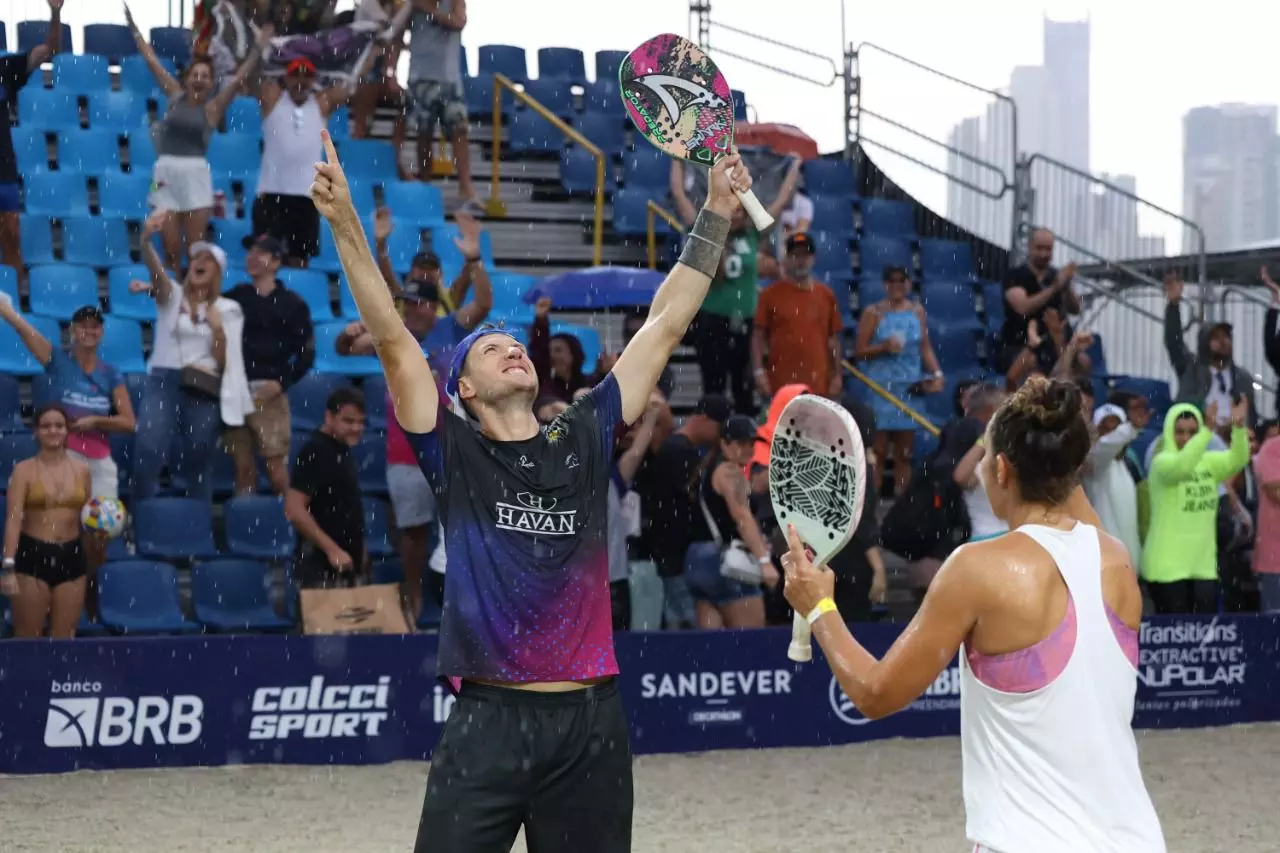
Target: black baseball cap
{"x": 417, "y": 290}
{"x": 426, "y": 259}
{"x": 714, "y": 406}
{"x": 266, "y": 243}
{"x": 87, "y": 312}
{"x": 800, "y": 242}
{"x": 740, "y": 428}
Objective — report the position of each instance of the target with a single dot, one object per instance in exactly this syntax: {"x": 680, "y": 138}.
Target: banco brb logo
{"x": 843, "y": 707}
{"x": 78, "y": 721}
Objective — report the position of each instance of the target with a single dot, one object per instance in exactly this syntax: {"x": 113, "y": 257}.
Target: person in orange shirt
{"x": 798, "y": 324}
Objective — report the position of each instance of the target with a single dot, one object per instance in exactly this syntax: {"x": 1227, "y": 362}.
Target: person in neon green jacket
{"x": 1180, "y": 555}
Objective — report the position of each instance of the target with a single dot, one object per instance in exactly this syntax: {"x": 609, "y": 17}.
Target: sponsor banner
{"x": 126, "y": 702}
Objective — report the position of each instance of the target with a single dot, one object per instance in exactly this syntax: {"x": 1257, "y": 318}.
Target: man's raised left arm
{"x": 681, "y": 293}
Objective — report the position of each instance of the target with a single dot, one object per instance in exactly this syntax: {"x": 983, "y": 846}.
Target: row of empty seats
{"x": 114, "y": 41}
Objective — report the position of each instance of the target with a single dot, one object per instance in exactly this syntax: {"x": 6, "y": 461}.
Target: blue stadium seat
{"x": 956, "y": 343}
{"x": 832, "y": 253}
{"x": 875, "y": 252}
{"x": 375, "y": 402}
{"x": 608, "y": 62}
{"x": 529, "y": 132}
{"x": 95, "y": 241}
{"x": 1158, "y": 393}
{"x": 829, "y": 178}
{"x": 81, "y": 74}
{"x": 13, "y": 449}
{"x": 377, "y": 529}
{"x": 646, "y": 167}
{"x": 10, "y": 405}
{"x": 888, "y": 218}
{"x": 56, "y": 194}
{"x": 113, "y": 41}
{"x": 9, "y": 283}
{"x": 629, "y": 206}
{"x": 58, "y": 290}
{"x": 339, "y": 124}
{"x": 870, "y": 290}
{"x": 4, "y": 37}
{"x": 257, "y": 528}
{"x": 949, "y": 300}
{"x": 414, "y": 203}
{"x": 552, "y": 94}
{"x": 362, "y": 196}
{"x": 369, "y": 160}
{"x": 739, "y": 105}
{"x": 173, "y": 528}
{"x": 31, "y": 145}
{"x": 307, "y": 398}
{"x": 478, "y": 92}
{"x": 442, "y": 243}
{"x": 122, "y": 111}
{"x": 833, "y": 214}
{"x": 137, "y": 78}
{"x": 1097, "y": 356}
{"x": 603, "y": 96}
{"x": 172, "y": 43}
{"x": 405, "y": 242}
{"x": 578, "y": 171}
{"x": 142, "y": 152}
{"x": 993, "y": 304}
{"x": 229, "y": 234}
{"x": 131, "y": 306}
{"x": 328, "y": 261}
{"x": 330, "y": 363}
{"x": 388, "y": 570}
{"x": 48, "y": 109}
{"x": 509, "y": 289}
{"x": 236, "y": 154}
{"x": 89, "y": 153}
{"x": 37, "y": 239}
{"x": 32, "y": 34}
{"x": 504, "y": 59}
{"x": 946, "y": 259}
{"x": 233, "y": 595}
{"x": 604, "y": 130}
{"x": 565, "y": 64}
{"x": 141, "y": 597}
{"x": 371, "y": 462}
{"x": 124, "y": 196}
{"x": 244, "y": 115}
{"x": 122, "y": 345}
{"x": 313, "y": 287}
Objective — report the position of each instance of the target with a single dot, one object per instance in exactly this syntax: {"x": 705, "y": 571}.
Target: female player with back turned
{"x": 537, "y": 737}
{"x": 1045, "y": 619}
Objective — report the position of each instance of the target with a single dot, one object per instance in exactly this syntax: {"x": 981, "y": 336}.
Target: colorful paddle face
{"x": 678, "y": 99}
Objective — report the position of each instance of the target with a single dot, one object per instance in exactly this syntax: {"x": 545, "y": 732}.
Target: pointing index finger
{"x": 330, "y": 152}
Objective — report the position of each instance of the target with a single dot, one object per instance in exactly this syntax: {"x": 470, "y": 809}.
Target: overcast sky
{"x": 1151, "y": 61}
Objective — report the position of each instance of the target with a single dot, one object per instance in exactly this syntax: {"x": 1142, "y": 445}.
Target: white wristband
{"x": 8, "y": 564}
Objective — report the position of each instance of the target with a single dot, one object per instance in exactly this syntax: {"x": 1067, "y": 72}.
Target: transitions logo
{"x": 1187, "y": 659}
{"x": 316, "y": 710}
{"x": 77, "y": 720}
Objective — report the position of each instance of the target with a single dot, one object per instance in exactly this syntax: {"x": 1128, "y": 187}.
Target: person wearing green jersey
{"x": 1180, "y": 555}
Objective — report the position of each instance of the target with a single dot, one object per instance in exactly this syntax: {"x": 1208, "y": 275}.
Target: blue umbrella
{"x": 597, "y": 287}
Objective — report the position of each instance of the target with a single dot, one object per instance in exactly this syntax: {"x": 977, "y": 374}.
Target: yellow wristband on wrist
{"x": 826, "y": 605}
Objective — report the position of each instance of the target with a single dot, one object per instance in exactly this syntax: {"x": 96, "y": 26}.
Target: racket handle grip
{"x": 760, "y": 217}
{"x": 801, "y": 650}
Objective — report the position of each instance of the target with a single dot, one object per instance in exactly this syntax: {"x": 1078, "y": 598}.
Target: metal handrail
{"x": 880, "y": 391}
{"x": 652, "y": 209}
{"x": 495, "y": 206}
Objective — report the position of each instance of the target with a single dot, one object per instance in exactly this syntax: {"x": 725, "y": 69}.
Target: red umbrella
{"x": 779, "y": 138}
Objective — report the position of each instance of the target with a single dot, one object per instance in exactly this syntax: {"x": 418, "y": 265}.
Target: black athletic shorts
{"x": 558, "y": 764}
{"x": 54, "y": 563}
{"x": 291, "y": 219}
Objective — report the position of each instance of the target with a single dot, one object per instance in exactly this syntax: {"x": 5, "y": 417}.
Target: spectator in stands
{"x": 1266, "y": 548}
{"x": 725, "y": 529}
{"x": 299, "y": 17}
{"x": 861, "y": 579}
{"x": 1180, "y": 555}
{"x": 798, "y": 216}
{"x": 435, "y": 91}
{"x": 1107, "y": 482}
{"x": 381, "y": 82}
{"x": 15, "y": 70}
{"x": 666, "y": 484}
{"x": 278, "y": 349}
{"x": 893, "y": 337}
{"x": 721, "y": 333}
{"x": 44, "y": 567}
{"x": 1028, "y": 290}
{"x": 293, "y": 114}
{"x": 624, "y": 519}
{"x": 967, "y": 474}
{"x": 1210, "y": 375}
{"x": 558, "y": 358}
{"x": 1051, "y": 350}
{"x": 426, "y": 265}
{"x": 324, "y": 501}
{"x": 196, "y": 348}
{"x": 798, "y": 324}
{"x": 181, "y": 181}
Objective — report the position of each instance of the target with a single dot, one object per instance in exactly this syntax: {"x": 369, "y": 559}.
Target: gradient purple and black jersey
{"x": 525, "y": 528}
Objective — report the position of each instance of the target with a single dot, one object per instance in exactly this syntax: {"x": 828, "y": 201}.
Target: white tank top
{"x": 1056, "y": 770}
{"x": 292, "y": 147}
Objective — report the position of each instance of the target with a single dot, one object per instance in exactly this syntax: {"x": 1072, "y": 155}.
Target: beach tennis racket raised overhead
{"x": 817, "y": 481}
{"x": 682, "y": 104}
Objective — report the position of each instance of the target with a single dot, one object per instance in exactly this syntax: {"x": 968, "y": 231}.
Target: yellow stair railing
{"x": 495, "y": 206}
{"x": 653, "y": 210}
{"x": 880, "y": 391}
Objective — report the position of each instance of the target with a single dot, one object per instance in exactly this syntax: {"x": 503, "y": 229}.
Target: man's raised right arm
{"x": 409, "y": 377}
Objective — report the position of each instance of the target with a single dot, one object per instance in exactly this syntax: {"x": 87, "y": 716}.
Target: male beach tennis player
{"x": 537, "y": 737}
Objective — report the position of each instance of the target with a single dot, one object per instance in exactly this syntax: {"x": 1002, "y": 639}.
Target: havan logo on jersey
{"x": 536, "y": 514}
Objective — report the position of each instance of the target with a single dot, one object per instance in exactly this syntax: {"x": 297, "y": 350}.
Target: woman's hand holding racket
{"x": 805, "y": 585}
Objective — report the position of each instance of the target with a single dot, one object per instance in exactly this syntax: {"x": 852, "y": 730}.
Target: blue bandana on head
{"x": 460, "y": 358}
